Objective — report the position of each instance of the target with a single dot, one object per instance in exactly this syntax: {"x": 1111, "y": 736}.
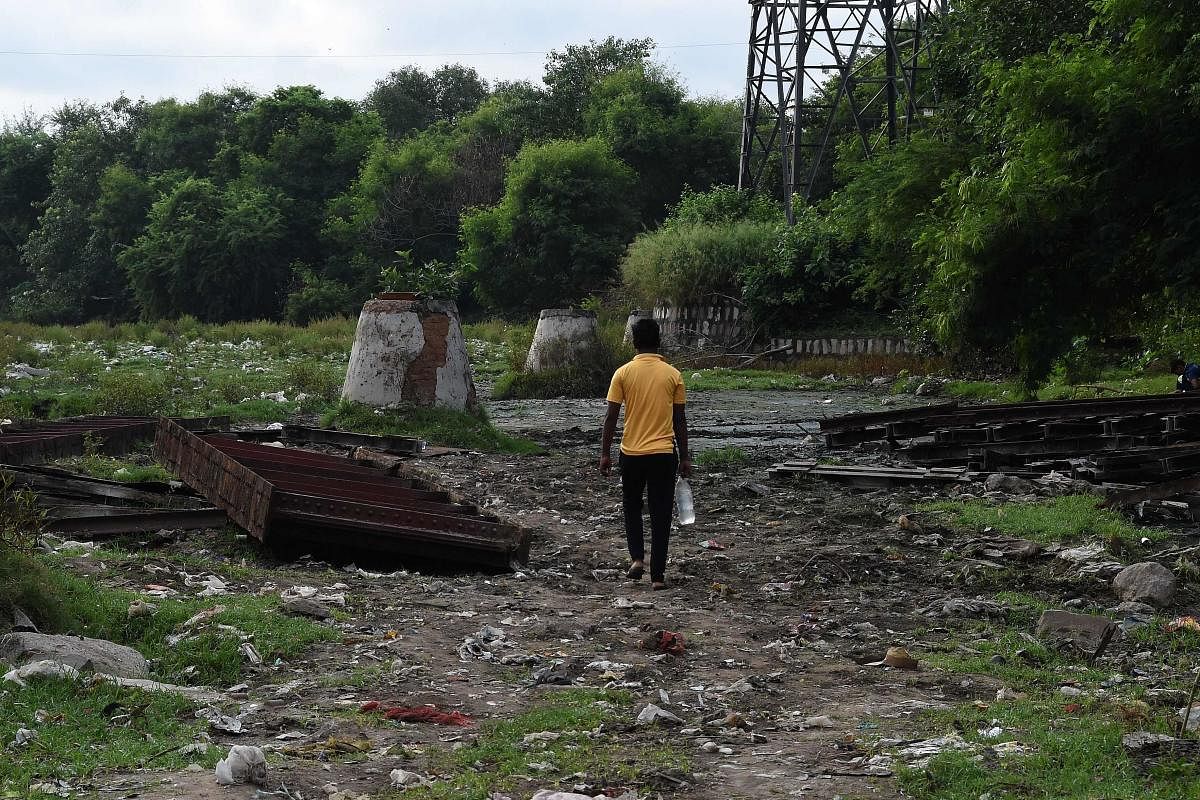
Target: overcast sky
{"x": 57, "y": 50}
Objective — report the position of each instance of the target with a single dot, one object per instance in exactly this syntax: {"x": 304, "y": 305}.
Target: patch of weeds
{"x": 1072, "y": 755}
{"x": 316, "y": 379}
{"x": 133, "y": 394}
{"x": 988, "y": 391}
{"x": 91, "y": 729}
{"x": 358, "y": 678}
{"x": 497, "y": 761}
{"x": 722, "y": 379}
{"x": 1009, "y": 657}
{"x": 548, "y": 384}
{"x": 1066, "y": 518}
{"x": 89, "y": 609}
{"x": 254, "y": 411}
{"x": 722, "y": 457}
{"x": 440, "y": 426}
{"x": 96, "y": 464}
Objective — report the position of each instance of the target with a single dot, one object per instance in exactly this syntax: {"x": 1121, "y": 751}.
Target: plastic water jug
{"x": 683, "y": 502}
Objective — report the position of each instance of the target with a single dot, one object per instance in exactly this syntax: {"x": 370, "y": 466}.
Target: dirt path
{"x": 813, "y": 583}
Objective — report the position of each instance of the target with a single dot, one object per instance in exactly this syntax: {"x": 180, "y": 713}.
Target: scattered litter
{"x": 330, "y": 595}
{"x": 625, "y": 602}
{"x": 252, "y": 655}
{"x": 711, "y": 544}
{"x": 652, "y": 714}
{"x": 40, "y": 669}
{"x": 820, "y": 721}
{"x": 244, "y": 764}
{"x": 140, "y": 608}
{"x": 484, "y": 644}
{"x": 24, "y": 737}
{"x": 1184, "y": 623}
{"x": 431, "y": 714}
{"x": 220, "y": 722}
{"x": 897, "y": 658}
{"x": 403, "y": 779}
{"x": 664, "y": 642}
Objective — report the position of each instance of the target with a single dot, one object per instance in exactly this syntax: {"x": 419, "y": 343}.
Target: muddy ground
{"x": 815, "y": 582}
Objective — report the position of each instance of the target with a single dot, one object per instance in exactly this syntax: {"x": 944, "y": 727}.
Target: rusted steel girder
{"x": 37, "y": 442}
{"x": 290, "y": 498}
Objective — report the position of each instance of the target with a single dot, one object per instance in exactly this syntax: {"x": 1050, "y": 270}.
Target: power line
{"x": 324, "y": 56}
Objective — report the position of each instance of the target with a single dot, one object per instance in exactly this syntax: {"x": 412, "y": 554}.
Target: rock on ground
{"x": 75, "y": 651}
{"x": 1147, "y": 582}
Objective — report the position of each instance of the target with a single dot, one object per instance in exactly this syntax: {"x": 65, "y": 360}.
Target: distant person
{"x": 1189, "y": 375}
{"x": 654, "y": 447}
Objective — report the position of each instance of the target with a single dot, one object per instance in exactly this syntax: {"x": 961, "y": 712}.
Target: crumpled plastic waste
{"x": 430, "y": 714}
{"x": 40, "y": 669}
{"x": 652, "y": 714}
{"x": 664, "y": 642}
{"x": 244, "y": 764}
{"x": 403, "y": 779}
{"x": 484, "y": 644}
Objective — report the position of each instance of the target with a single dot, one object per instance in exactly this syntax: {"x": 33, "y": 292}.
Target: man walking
{"x": 654, "y": 447}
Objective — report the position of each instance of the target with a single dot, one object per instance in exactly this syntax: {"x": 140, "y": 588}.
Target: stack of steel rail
{"x": 300, "y": 501}
{"x": 37, "y": 442}
{"x": 1144, "y": 439}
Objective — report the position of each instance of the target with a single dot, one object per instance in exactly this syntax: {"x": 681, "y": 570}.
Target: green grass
{"x": 1067, "y": 518}
{"x": 723, "y": 379}
{"x": 1073, "y": 756}
{"x": 497, "y": 762}
{"x": 551, "y": 383}
{"x": 722, "y": 457}
{"x": 438, "y": 426}
{"x": 63, "y": 602}
{"x": 81, "y": 736}
{"x": 1114, "y": 383}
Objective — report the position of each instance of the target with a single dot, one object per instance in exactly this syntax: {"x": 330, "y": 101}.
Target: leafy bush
{"x": 132, "y": 394}
{"x": 316, "y": 379}
{"x": 685, "y": 263}
{"x": 316, "y": 298}
{"x": 557, "y": 235}
{"x": 806, "y": 277}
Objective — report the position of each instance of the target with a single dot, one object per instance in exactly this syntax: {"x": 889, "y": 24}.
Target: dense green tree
{"x": 557, "y": 234}
{"x": 410, "y": 99}
{"x": 26, "y": 156}
{"x": 72, "y": 264}
{"x": 574, "y": 72}
{"x": 641, "y": 112}
{"x": 210, "y": 253}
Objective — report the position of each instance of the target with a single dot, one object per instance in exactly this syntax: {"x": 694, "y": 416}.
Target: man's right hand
{"x": 605, "y": 464}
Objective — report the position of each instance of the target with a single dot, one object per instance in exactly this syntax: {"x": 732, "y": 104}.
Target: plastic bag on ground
{"x": 244, "y": 764}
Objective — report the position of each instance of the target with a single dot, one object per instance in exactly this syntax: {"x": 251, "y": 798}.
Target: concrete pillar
{"x": 563, "y": 337}
{"x": 409, "y": 349}
{"x": 635, "y": 315}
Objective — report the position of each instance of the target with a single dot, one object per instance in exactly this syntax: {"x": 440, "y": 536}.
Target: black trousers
{"x": 654, "y": 477}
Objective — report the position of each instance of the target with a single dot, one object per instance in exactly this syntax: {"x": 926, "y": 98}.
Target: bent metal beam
{"x": 292, "y": 499}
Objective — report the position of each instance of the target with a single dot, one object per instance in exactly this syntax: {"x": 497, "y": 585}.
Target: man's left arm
{"x": 606, "y": 438}
{"x": 679, "y": 423}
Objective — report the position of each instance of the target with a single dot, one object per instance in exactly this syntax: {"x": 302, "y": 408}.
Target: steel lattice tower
{"x": 873, "y": 50}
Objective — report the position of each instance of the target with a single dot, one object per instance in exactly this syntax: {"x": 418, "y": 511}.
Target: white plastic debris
{"x": 244, "y": 764}
{"x": 403, "y": 779}
{"x": 652, "y": 714}
{"x": 24, "y": 737}
{"x": 40, "y": 669}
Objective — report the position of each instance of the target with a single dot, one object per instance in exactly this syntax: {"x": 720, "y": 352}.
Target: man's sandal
{"x": 636, "y": 571}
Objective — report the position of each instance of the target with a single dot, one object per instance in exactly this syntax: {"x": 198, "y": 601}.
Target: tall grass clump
{"x": 683, "y": 264}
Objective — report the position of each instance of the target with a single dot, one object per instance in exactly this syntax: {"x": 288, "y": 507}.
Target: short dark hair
{"x": 1178, "y": 365}
{"x": 646, "y": 335}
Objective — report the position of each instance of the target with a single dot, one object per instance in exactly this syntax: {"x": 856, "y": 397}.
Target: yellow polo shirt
{"x": 650, "y": 388}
